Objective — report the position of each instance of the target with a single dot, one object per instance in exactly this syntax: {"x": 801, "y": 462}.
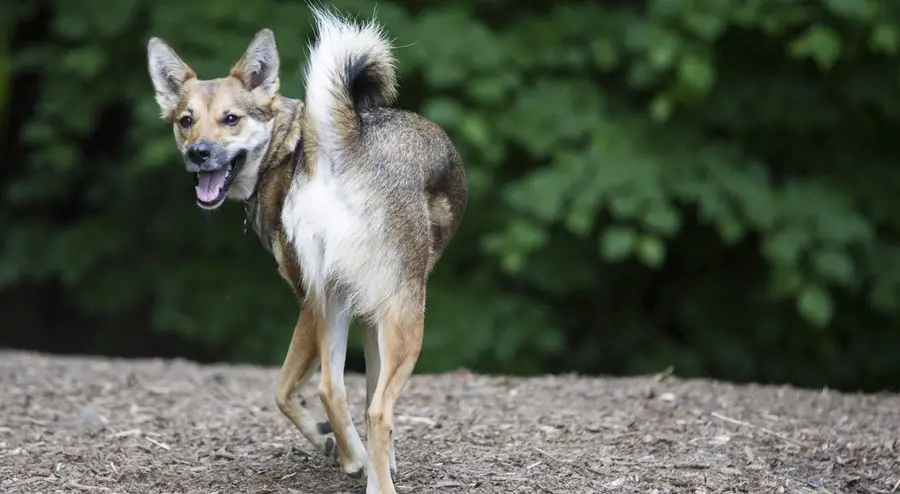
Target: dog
{"x": 355, "y": 200}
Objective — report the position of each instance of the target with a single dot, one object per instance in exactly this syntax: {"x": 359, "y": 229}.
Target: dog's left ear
{"x": 258, "y": 68}
{"x": 168, "y": 74}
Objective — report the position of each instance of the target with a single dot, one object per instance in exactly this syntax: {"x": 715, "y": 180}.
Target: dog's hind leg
{"x": 400, "y": 331}
{"x": 299, "y": 364}
{"x": 373, "y": 369}
{"x": 333, "y": 350}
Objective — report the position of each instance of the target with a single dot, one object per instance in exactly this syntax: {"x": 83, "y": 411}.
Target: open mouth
{"x": 212, "y": 187}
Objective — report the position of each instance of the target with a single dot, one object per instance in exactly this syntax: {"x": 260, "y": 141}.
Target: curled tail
{"x": 350, "y": 68}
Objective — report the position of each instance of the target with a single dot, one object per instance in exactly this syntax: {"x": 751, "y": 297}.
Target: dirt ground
{"x": 99, "y": 425}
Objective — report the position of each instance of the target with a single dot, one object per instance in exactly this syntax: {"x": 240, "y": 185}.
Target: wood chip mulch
{"x": 96, "y": 425}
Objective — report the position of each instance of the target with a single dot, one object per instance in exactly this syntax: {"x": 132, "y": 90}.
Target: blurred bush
{"x": 705, "y": 184}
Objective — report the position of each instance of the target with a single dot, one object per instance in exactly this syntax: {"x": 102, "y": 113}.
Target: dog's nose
{"x": 198, "y": 153}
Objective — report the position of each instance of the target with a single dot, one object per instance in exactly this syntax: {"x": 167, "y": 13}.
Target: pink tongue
{"x": 210, "y": 184}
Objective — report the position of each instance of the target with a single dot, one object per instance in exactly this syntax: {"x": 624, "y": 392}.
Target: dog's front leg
{"x": 333, "y": 349}
{"x": 299, "y": 365}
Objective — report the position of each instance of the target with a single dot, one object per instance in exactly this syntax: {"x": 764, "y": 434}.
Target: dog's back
{"x": 396, "y": 145}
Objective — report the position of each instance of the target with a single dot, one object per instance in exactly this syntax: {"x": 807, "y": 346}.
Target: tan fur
{"x": 299, "y": 364}
{"x": 400, "y": 346}
{"x": 355, "y": 202}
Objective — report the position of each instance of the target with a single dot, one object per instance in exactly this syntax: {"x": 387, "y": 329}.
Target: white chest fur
{"x": 339, "y": 242}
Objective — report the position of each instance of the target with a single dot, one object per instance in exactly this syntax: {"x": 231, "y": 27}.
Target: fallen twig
{"x": 83, "y": 487}
{"x": 592, "y": 470}
{"x": 416, "y": 420}
{"x": 548, "y": 455}
{"x": 569, "y": 463}
{"x": 224, "y": 454}
{"x": 761, "y": 429}
{"x": 161, "y": 445}
{"x": 30, "y": 480}
{"x": 128, "y": 433}
{"x": 808, "y": 483}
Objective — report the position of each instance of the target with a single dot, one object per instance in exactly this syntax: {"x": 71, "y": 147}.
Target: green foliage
{"x": 4, "y": 37}
{"x": 708, "y": 184}
{"x": 3, "y": 83}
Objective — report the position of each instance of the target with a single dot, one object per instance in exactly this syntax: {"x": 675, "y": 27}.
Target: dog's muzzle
{"x": 212, "y": 179}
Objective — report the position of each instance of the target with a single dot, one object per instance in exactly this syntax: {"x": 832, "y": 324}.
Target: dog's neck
{"x": 285, "y": 156}
{"x": 251, "y": 204}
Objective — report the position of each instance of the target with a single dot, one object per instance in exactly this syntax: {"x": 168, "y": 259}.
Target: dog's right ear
{"x": 168, "y": 73}
{"x": 258, "y": 67}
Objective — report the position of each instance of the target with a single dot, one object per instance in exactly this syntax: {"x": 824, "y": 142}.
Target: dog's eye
{"x": 231, "y": 120}
{"x": 185, "y": 121}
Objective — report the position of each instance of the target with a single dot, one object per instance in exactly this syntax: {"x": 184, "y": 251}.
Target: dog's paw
{"x": 330, "y": 448}
{"x": 355, "y": 465}
{"x": 327, "y": 440}
{"x": 321, "y": 436}
{"x": 359, "y": 473}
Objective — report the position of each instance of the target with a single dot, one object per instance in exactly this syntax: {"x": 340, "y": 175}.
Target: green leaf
{"x": 730, "y": 229}
{"x": 494, "y": 89}
{"x": 445, "y": 112}
{"x": 664, "y": 219}
{"x": 706, "y": 25}
{"x": 476, "y": 130}
{"x": 858, "y": 10}
{"x": 785, "y": 282}
{"x": 651, "y": 251}
{"x": 444, "y": 75}
{"x": 821, "y": 43}
{"x": 617, "y": 243}
{"x": 661, "y": 107}
{"x": 885, "y": 295}
{"x": 815, "y": 305}
{"x": 697, "y": 72}
{"x": 885, "y": 37}
{"x": 834, "y": 265}
{"x": 513, "y": 262}
{"x": 661, "y": 55}
{"x": 541, "y": 193}
{"x": 606, "y": 54}
{"x": 625, "y": 206}
{"x": 3, "y": 76}
{"x": 844, "y": 227}
{"x": 785, "y": 246}
{"x": 526, "y": 235}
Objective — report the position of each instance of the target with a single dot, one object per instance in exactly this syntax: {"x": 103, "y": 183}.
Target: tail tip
{"x": 369, "y": 67}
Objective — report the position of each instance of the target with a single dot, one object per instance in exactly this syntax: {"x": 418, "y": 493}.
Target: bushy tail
{"x": 350, "y": 68}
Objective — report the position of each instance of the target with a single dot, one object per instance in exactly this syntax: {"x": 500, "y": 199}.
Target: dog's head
{"x": 222, "y": 126}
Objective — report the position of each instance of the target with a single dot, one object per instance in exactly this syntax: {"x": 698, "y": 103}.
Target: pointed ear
{"x": 168, "y": 74}
{"x": 258, "y": 67}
